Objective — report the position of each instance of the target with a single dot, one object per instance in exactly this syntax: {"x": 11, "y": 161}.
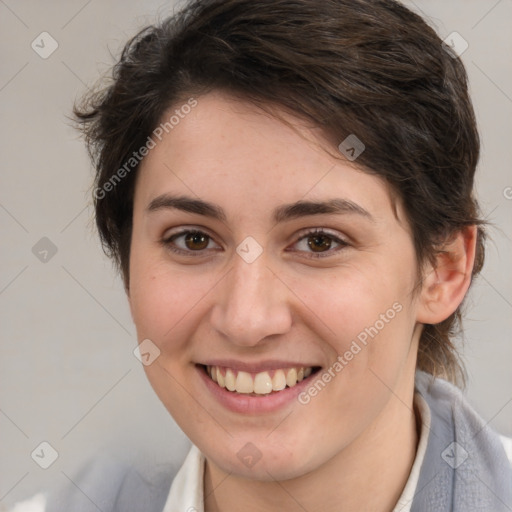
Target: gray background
{"x": 67, "y": 372}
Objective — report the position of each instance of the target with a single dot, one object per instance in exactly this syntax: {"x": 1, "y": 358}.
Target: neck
{"x": 370, "y": 474}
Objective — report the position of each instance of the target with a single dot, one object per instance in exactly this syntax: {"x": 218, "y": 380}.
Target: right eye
{"x": 188, "y": 242}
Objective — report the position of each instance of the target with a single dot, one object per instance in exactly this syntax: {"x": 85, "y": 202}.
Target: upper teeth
{"x": 260, "y": 383}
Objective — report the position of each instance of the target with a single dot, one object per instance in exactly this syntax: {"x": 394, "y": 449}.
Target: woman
{"x": 287, "y": 189}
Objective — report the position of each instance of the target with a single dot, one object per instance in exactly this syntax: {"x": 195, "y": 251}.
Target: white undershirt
{"x": 187, "y": 488}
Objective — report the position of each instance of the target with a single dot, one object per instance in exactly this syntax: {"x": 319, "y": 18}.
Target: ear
{"x": 446, "y": 282}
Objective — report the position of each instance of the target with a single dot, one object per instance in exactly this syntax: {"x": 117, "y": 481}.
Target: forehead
{"x": 231, "y": 151}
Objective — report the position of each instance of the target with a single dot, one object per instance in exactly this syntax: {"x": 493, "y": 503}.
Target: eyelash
{"x": 168, "y": 242}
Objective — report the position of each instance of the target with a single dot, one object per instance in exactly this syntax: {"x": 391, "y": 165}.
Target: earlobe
{"x": 446, "y": 282}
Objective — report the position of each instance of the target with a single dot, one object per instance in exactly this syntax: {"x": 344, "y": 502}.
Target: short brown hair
{"x": 372, "y": 68}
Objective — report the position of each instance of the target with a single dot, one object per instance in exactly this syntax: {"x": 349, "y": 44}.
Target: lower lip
{"x": 250, "y": 404}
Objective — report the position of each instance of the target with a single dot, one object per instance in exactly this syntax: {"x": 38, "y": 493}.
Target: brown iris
{"x": 319, "y": 243}
{"x": 196, "y": 241}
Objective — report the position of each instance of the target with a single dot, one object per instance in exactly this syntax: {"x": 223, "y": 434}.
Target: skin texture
{"x": 352, "y": 446}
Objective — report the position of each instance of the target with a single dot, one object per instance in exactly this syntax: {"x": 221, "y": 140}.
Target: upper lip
{"x": 260, "y": 366}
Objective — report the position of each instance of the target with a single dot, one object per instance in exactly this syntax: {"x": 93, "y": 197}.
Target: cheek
{"x": 158, "y": 298}
{"x": 366, "y": 315}
{"x": 349, "y": 300}
{"x": 168, "y": 305}
{"x": 369, "y": 323}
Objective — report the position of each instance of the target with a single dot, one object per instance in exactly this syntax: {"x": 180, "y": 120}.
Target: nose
{"x": 251, "y": 303}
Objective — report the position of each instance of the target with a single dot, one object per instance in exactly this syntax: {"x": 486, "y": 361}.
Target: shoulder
{"x": 507, "y": 444}
{"x": 454, "y": 412}
{"x": 109, "y": 485}
{"x": 466, "y": 461}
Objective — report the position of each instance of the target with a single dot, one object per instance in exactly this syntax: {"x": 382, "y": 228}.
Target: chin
{"x": 263, "y": 461}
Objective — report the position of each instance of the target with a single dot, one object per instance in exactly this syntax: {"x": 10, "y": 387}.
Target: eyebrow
{"x": 281, "y": 214}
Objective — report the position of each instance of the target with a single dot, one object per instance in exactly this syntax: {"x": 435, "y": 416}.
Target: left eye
{"x": 319, "y": 242}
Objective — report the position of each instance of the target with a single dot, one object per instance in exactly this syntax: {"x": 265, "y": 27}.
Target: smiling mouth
{"x": 257, "y": 384}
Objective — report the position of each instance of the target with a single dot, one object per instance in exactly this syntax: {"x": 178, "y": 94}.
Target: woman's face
{"x": 258, "y": 255}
